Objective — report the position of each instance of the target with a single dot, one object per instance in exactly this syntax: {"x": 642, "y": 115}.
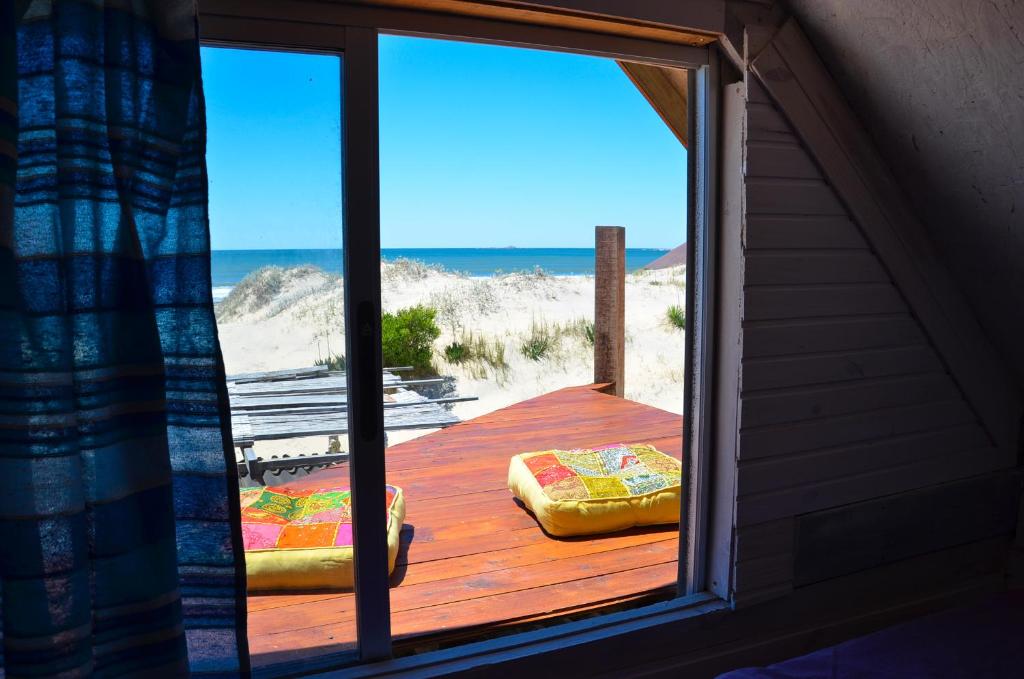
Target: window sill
{"x": 563, "y": 638}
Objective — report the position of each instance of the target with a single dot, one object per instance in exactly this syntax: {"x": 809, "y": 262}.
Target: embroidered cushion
{"x": 581, "y": 492}
{"x": 302, "y": 539}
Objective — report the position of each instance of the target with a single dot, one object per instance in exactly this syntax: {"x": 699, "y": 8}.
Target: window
{"x": 498, "y": 166}
{"x": 274, "y": 165}
{"x": 324, "y": 628}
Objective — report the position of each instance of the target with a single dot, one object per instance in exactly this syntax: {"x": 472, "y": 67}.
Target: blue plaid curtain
{"x": 120, "y": 551}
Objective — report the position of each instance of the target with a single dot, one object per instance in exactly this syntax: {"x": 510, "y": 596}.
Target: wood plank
{"x": 612, "y": 33}
{"x": 817, "y": 301}
{"x": 333, "y": 402}
{"x": 286, "y": 374}
{"x": 763, "y": 117}
{"x": 789, "y": 371}
{"x": 773, "y": 337}
{"x": 332, "y": 383}
{"x": 470, "y": 565}
{"x": 760, "y": 540}
{"x": 808, "y": 468}
{"x": 767, "y": 571}
{"x": 806, "y": 403}
{"x": 545, "y": 600}
{"x": 813, "y": 267}
{"x": 771, "y": 196}
{"x": 794, "y": 232}
{"x": 869, "y": 534}
{"x": 779, "y": 159}
{"x": 481, "y": 585}
{"x": 241, "y": 430}
{"x": 886, "y": 481}
{"x": 773, "y": 137}
{"x": 448, "y": 616}
{"x": 665, "y": 90}
{"x": 764, "y": 441}
{"x": 299, "y": 424}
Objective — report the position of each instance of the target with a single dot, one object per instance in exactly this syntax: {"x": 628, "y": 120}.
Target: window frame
{"x": 351, "y": 32}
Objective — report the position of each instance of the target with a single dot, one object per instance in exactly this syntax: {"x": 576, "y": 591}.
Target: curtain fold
{"x": 120, "y": 546}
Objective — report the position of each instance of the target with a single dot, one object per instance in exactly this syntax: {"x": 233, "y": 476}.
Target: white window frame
{"x": 351, "y": 31}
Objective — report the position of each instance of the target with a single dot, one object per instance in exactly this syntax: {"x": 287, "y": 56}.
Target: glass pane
{"x": 497, "y": 164}
{"x": 274, "y": 161}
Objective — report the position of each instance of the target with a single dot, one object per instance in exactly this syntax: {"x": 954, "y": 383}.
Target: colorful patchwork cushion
{"x": 581, "y": 492}
{"x": 302, "y": 539}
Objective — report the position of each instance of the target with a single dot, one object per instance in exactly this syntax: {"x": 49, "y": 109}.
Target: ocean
{"x": 231, "y": 266}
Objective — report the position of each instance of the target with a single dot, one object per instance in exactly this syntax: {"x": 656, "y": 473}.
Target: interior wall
{"x": 868, "y": 489}
{"x": 844, "y": 399}
{"x": 940, "y": 86}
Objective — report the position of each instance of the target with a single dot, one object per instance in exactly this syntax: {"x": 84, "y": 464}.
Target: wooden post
{"x": 610, "y": 307}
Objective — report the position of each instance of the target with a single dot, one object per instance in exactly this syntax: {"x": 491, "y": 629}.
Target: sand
{"x": 296, "y": 315}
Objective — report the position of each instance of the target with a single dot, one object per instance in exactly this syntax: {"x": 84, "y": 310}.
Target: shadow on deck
{"x": 472, "y": 560}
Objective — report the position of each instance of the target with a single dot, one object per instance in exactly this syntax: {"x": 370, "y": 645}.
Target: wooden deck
{"x": 471, "y": 558}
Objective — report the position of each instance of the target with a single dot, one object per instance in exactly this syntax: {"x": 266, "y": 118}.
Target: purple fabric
{"x": 983, "y": 641}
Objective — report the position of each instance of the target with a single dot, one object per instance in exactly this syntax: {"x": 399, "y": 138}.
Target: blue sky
{"x": 481, "y": 146}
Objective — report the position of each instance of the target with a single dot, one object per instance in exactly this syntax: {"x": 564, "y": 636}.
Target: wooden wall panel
{"x": 799, "y": 404}
{"x": 795, "y": 233}
{"x": 822, "y": 432}
{"x": 818, "y": 301}
{"x": 797, "y": 337}
{"x": 765, "y": 566}
{"x": 877, "y": 532}
{"x": 844, "y": 397}
{"x": 817, "y": 368}
{"x": 794, "y": 77}
{"x": 813, "y": 268}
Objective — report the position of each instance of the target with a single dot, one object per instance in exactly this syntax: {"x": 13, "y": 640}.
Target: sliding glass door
{"x": 383, "y": 396}
{"x": 534, "y": 222}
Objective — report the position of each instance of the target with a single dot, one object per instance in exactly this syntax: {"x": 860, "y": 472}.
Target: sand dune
{"x": 289, "y": 317}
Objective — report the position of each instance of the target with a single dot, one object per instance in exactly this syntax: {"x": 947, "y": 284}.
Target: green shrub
{"x": 676, "y": 317}
{"x": 336, "y": 362}
{"x": 456, "y": 352}
{"x": 407, "y": 338}
{"x": 539, "y": 342}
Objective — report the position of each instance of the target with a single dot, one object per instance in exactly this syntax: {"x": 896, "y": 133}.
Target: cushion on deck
{"x": 581, "y": 492}
{"x": 302, "y": 539}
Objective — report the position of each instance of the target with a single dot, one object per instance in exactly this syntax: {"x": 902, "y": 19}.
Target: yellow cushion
{"x": 302, "y": 539}
{"x": 582, "y": 492}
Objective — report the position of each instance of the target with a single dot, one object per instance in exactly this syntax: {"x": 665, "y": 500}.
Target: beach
{"x": 283, "y": 318}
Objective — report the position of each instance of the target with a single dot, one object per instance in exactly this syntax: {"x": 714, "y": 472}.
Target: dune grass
{"x": 335, "y": 362}
{"x": 580, "y": 328}
{"x": 676, "y": 317}
{"x": 540, "y": 341}
{"x": 478, "y": 355}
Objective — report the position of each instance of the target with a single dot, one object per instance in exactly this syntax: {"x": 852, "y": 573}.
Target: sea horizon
{"x": 229, "y": 267}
